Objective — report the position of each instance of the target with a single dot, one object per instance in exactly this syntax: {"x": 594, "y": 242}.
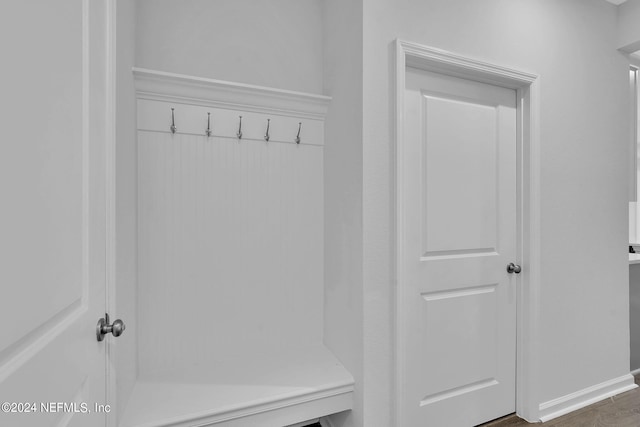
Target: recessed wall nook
{"x": 230, "y": 257}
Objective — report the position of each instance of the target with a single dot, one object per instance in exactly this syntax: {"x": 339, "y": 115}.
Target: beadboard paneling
{"x": 230, "y": 248}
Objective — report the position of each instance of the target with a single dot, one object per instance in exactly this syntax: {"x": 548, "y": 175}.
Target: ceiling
{"x": 616, "y": 1}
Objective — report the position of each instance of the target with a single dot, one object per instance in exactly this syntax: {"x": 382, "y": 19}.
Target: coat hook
{"x": 239, "y": 134}
{"x": 208, "y": 131}
{"x": 298, "y": 136}
{"x": 266, "y": 135}
{"x": 173, "y": 123}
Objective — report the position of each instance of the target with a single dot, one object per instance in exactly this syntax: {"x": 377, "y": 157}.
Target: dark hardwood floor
{"x": 622, "y": 410}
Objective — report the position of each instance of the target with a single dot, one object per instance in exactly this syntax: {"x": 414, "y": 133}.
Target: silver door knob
{"x": 103, "y": 328}
{"x": 513, "y": 268}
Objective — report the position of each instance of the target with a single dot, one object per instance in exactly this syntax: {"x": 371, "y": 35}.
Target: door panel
{"x": 459, "y": 198}
{"x": 459, "y": 148}
{"x": 52, "y": 241}
{"x": 469, "y": 315}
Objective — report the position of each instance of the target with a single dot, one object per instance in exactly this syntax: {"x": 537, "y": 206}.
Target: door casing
{"x": 111, "y": 419}
{"x": 426, "y": 58}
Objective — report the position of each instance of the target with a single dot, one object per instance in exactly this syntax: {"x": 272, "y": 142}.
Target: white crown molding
{"x": 442, "y": 61}
{"x": 164, "y": 86}
{"x": 616, "y": 2}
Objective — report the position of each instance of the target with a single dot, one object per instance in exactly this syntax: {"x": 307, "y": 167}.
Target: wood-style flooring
{"x": 622, "y": 410}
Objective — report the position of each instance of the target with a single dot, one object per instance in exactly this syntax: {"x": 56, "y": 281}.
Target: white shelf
{"x": 192, "y": 90}
{"x": 634, "y": 259}
{"x": 269, "y": 390}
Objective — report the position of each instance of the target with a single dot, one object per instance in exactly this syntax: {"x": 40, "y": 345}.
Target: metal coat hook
{"x": 298, "y": 135}
{"x": 173, "y": 123}
{"x": 266, "y": 135}
{"x": 239, "y": 134}
{"x": 208, "y": 130}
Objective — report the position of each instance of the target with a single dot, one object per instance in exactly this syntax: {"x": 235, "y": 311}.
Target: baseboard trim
{"x": 635, "y": 372}
{"x": 585, "y": 397}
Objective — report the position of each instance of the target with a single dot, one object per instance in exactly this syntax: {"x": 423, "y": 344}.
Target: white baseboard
{"x": 585, "y": 397}
{"x": 635, "y": 372}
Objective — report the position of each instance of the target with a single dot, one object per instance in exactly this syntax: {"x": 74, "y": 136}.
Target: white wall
{"x": 571, "y": 44}
{"x": 628, "y": 26}
{"x": 634, "y": 315}
{"x": 634, "y": 176}
{"x": 125, "y": 347}
{"x": 343, "y": 319}
{"x": 276, "y": 43}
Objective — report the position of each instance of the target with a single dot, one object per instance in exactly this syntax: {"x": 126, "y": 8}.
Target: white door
{"x": 52, "y": 212}
{"x": 458, "y": 194}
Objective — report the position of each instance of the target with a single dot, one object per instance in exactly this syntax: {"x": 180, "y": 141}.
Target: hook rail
{"x": 312, "y": 136}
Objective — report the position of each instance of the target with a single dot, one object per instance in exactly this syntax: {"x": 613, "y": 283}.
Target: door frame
{"x": 111, "y": 419}
{"x": 527, "y": 89}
